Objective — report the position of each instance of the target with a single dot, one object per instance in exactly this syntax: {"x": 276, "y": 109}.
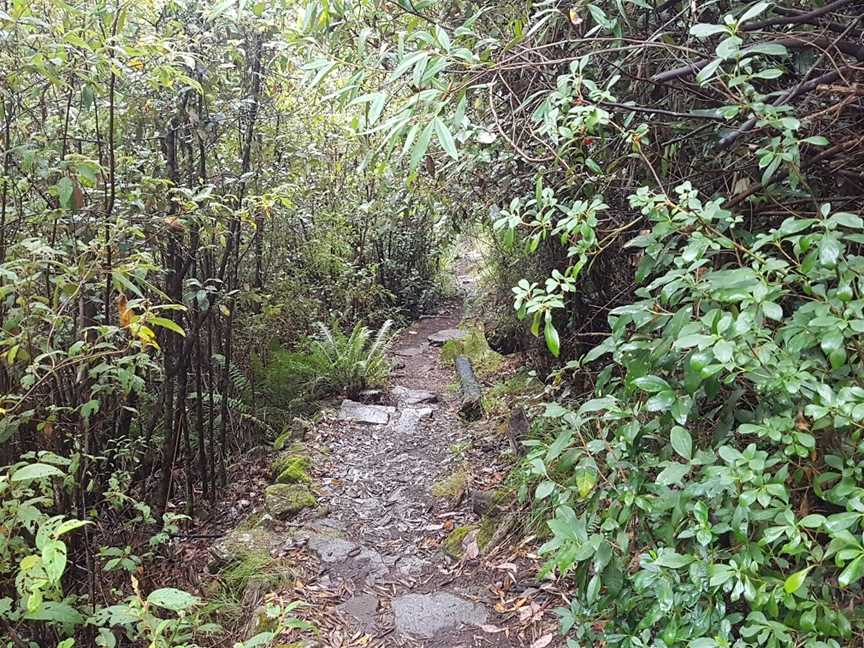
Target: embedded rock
{"x": 361, "y": 413}
{"x": 361, "y": 609}
{"x": 442, "y": 337}
{"x": 409, "y": 352}
{"x": 409, "y": 419}
{"x": 285, "y": 500}
{"x": 288, "y": 460}
{"x": 242, "y": 543}
{"x": 405, "y": 396}
{"x": 426, "y": 615}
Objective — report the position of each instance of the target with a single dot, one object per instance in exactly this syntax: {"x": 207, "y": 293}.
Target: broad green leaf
{"x": 167, "y": 324}
{"x": 552, "y": 341}
{"x": 544, "y": 489}
{"x": 54, "y": 559}
{"x": 794, "y": 582}
{"x": 853, "y": 572}
{"x": 770, "y": 49}
{"x": 829, "y": 250}
{"x": 421, "y": 146}
{"x": 723, "y": 351}
{"x": 846, "y": 219}
{"x": 57, "y": 612}
{"x": 35, "y": 471}
{"x": 65, "y": 189}
{"x": 172, "y": 599}
{"x": 704, "y": 30}
{"x": 376, "y": 107}
{"x": 445, "y": 138}
{"x": 708, "y": 71}
{"x": 661, "y": 401}
{"x": 406, "y": 64}
{"x": 651, "y": 384}
{"x": 754, "y": 11}
{"x": 673, "y": 473}
{"x": 682, "y": 442}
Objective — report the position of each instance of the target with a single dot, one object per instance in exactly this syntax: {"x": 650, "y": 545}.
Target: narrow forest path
{"x": 382, "y": 578}
{"x": 403, "y": 538}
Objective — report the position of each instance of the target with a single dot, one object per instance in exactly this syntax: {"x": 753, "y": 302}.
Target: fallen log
{"x": 470, "y": 390}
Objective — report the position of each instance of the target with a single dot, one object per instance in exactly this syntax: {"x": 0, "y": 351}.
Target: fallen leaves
{"x": 543, "y": 641}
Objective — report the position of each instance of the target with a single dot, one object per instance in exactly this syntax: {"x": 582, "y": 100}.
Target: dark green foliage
{"x": 329, "y": 364}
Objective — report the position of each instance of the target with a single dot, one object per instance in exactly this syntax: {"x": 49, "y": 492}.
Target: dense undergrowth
{"x": 674, "y": 192}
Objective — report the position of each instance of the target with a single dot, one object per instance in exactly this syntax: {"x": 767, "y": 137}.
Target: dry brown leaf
{"x": 543, "y": 641}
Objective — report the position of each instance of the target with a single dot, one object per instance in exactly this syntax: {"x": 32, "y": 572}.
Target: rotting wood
{"x": 470, "y": 391}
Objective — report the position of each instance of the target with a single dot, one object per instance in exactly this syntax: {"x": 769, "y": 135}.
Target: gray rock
{"x": 406, "y": 396}
{"x": 428, "y": 614}
{"x": 331, "y": 549}
{"x": 409, "y": 352}
{"x": 362, "y": 609}
{"x": 411, "y": 565}
{"x": 349, "y": 558}
{"x": 410, "y": 418}
{"x": 360, "y": 413}
{"x": 446, "y": 335}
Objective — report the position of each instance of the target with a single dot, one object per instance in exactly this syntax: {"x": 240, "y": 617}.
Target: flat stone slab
{"x": 409, "y": 352}
{"x": 446, "y": 335}
{"x": 410, "y": 418}
{"x": 426, "y": 615}
{"x": 362, "y": 413}
{"x": 349, "y": 559}
{"x": 362, "y": 609}
{"x": 406, "y": 396}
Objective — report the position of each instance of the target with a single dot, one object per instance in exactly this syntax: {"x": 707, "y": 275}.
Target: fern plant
{"x": 333, "y": 362}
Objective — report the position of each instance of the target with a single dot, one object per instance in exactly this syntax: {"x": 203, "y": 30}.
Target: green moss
{"x": 286, "y": 460}
{"x": 485, "y": 361}
{"x": 452, "y": 546}
{"x": 245, "y": 543}
{"x": 282, "y": 439}
{"x": 284, "y": 500}
{"x": 452, "y": 485}
{"x": 487, "y": 530}
{"x": 298, "y": 448}
{"x": 294, "y": 473}
{"x": 250, "y": 522}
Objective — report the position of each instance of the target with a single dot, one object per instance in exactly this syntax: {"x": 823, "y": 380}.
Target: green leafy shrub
{"x": 331, "y": 363}
{"x": 712, "y": 489}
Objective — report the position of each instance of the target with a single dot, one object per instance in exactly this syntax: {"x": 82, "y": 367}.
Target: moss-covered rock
{"x": 453, "y": 544}
{"x": 243, "y": 544}
{"x": 298, "y": 448}
{"x": 296, "y": 430}
{"x": 286, "y": 460}
{"x": 451, "y": 486}
{"x": 282, "y": 439}
{"x": 474, "y": 345}
{"x": 294, "y": 473}
{"x": 285, "y": 500}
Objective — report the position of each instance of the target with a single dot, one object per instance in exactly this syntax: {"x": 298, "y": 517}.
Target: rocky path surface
{"x": 382, "y": 578}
